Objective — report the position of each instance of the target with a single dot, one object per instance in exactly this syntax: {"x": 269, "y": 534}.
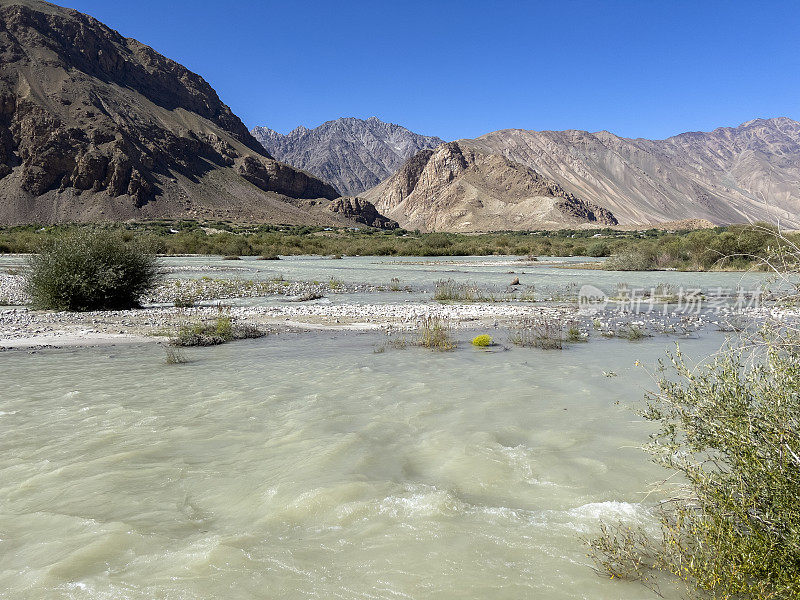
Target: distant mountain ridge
{"x": 351, "y": 154}
{"x": 729, "y": 175}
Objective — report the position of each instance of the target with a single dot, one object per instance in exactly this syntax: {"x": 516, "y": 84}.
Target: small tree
{"x": 91, "y": 271}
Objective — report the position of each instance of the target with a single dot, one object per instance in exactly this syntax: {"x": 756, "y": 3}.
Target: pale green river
{"x": 422, "y": 273}
{"x": 310, "y": 466}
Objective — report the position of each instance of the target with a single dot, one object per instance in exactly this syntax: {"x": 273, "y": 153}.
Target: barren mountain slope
{"x": 453, "y": 188}
{"x": 730, "y": 175}
{"x": 352, "y": 154}
{"x": 96, "y": 126}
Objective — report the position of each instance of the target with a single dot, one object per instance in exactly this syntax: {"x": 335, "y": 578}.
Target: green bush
{"x": 87, "y": 270}
{"x": 732, "y": 430}
{"x": 598, "y": 249}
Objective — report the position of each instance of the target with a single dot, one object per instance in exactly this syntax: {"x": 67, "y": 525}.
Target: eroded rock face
{"x": 281, "y": 178}
{"x": 362, "y": 211}
{"x": 456, "y": 188}
{"x": 84, "y": 109}
{"x": 352, "y": 154}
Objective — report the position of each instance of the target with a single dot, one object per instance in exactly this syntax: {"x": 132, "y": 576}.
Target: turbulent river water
{"x": 312, "y": 466}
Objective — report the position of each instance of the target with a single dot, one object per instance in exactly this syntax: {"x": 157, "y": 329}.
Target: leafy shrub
{"x": 438, "y": 241}
{"x": 91, "y": 271}
{"x": 482, "y": 340}
{"x": 598, "y": 249}
{"x": 730, "y": 430}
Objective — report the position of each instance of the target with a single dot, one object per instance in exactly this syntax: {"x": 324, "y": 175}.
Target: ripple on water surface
{"x": 311, "y": 467}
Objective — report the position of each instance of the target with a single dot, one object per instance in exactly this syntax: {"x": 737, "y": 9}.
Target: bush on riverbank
{"x": 733, "y": 247}
{"x": 737, "y": 247}
{"x": 88, "y": 270}
{"x": 632, "y": 260}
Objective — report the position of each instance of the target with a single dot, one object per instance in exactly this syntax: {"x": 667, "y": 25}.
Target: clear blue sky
{"x": 646, "y": 68}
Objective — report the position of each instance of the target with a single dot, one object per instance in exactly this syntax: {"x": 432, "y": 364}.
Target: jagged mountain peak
{"x": 298, "y": 131}
{"x": 351, "y": 153}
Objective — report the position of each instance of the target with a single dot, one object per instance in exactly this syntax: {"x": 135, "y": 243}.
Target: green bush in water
{"x": 87, "y": 270}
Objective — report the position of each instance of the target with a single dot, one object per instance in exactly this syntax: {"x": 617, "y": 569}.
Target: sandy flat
{"x": 68, "y": 339}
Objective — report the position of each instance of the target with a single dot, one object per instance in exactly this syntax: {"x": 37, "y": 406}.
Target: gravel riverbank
{"x": 20, "y": 327}
{"x": 159, "y": 318}
{"x": 12, "y": 289}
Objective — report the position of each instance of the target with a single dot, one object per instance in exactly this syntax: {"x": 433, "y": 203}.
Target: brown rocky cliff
{"x": 85, "y": 110}
{"x": 362, "y": 211}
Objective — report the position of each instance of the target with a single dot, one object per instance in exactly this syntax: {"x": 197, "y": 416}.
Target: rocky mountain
{"x": 730, "y": 175}
{"x": 457, "y": 188}
{"x": 96, "y": 126}
{"x": 362, "y": 211}
{"x": 352, "y": 154}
